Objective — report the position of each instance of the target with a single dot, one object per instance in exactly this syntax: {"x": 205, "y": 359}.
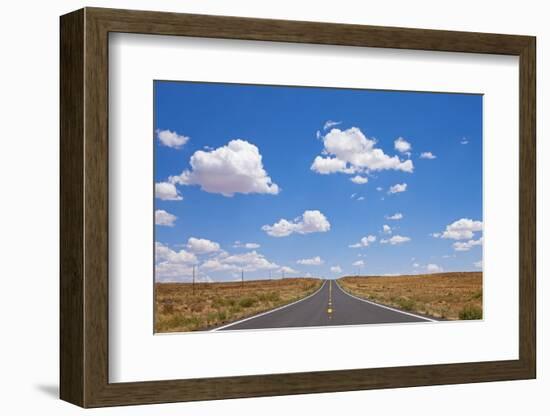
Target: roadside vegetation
{"x": 449, "y": 296}
{"x": 180, "y": 308}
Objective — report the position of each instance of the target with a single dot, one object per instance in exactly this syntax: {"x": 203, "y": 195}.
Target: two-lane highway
{"x": 330, "y": 305}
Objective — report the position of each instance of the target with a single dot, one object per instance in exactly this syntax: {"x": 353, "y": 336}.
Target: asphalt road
{"x": 330, "y": 305}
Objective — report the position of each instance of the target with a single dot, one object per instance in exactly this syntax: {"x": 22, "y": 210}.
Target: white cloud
{"x": 171, "y": 265}
{"x": 318, "y": 134}
{"x": 433, "y": 268}
{"x": 202, "y": 245}
{"x": 386, "y": 229}
{"x": 364, "y": 242}
{"x": 464, "y": 140}
{"x": 361, "y": 198}
{"x": 248, "y": 262}
{"x": 396, "y": 216}
{"x": 401, "y": 145}
{"x": 167, "y": 192}
{"x": 288, "y": 270}
{"x": 249, "y": 246}
{"x": 379, "y": 188}
{"x": 416, "y": 265}
{"x": 234, "y": 168}
{"x": 164, "y": 218}
{"x": 427, "y": 155}
{"x": 353, "y": 195}
{"x": 336, "y": 269}
{"x": 330, "y": 124}
{"x": 398, "y": 187}
{"x": 462, "y": 229}
{"x": 479, "y": 264}
{"x": 171, "y": 139}
{"x": 314, "y": 261}
{"x": 165, "y": 253}
{"x": 358, "y": 263}
{"x": 173, "y": 272}
{"x": 327, "y": 165}
{"x": 396, "y": 239}
{"x": 309, "y": 222}
{"x": 467, "y": 246}
{"x": 350, "y": 151}
{"x": 359, "y": 180}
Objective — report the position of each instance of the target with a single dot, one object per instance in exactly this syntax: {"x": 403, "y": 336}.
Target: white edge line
{"x": 384, "y": 306}
{"x": 268, "y": 312}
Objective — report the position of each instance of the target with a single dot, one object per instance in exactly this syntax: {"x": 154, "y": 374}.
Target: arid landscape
{"x": 180, "y": 307}
{"x": 450, "y": 296}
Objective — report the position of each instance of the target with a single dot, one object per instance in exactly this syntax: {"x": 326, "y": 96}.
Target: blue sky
{"x": 271, "y": 179}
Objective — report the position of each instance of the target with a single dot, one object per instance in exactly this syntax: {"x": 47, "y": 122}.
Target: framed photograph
{"x": 255, "y": 207}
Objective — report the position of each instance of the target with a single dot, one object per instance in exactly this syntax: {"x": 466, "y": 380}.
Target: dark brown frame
{"x": 84, "y": 207}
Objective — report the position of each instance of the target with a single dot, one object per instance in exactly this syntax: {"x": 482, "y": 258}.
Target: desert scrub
{"x": 180, "y": 308}
{"x": 406, "y": 304}
{"x": 440, "y": 295}
{"x": 470, "y": 312}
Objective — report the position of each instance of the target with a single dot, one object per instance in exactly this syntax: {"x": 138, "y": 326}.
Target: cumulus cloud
{"x": 397, "y": 188}
{"x": 167, "y": 192}
{"x": 336, "y": 269}
{"x": 364, "y": 242}
{"x": 467, "y": 246}
{"x": 379, "y": 188}
{"x": 464, "y": 140}
{"x": 361, "y": 198}
{"x": 330, "y": 123}
{"x": 402, "y": 146}
{"x": 386, "y": 229}
{"x": 309, "y": 222}
{"x": 249, "y": 262}
{"x": 313, "y": 261}
{"x": 202, "y": 245}
{"x": 165, "y": 253}
{"x": 249, "y": 246}
{"x": 433, "y": 268}
{"x": 427, "y": 155}
{"x": 164, "y": 218}
{"x": 171, "y": 139}
{"x": 171, "y": 265}
{"x": 396, "y": 239}
{"x": 462, "y": 229}
{"x": 327, "y": 165}
{"x": 234, "y": 168}
{"x": 351, "y": 152}
{"x": 358, "y": 263}
{"x": 396, "y": 216}
{"x": 359, "y": 180}
{"x": 479, "y": 264}
{"x": 288, "y": 270}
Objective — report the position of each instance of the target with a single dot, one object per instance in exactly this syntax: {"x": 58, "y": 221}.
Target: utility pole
{"x": 242, "y": 277}
{"x": 283, "y": 273}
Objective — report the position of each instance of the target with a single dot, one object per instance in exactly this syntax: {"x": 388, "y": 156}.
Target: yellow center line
{"x": 329, "y": 310}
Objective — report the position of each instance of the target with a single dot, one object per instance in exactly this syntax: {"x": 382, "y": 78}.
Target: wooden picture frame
{"x": 84, "y": 207}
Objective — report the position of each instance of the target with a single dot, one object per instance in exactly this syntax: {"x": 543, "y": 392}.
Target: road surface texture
{"x": 330, "y": 305}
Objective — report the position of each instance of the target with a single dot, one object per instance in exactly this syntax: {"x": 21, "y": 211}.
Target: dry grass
{"x": 441, "y": 295}
{"x": 178, "y": 309}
